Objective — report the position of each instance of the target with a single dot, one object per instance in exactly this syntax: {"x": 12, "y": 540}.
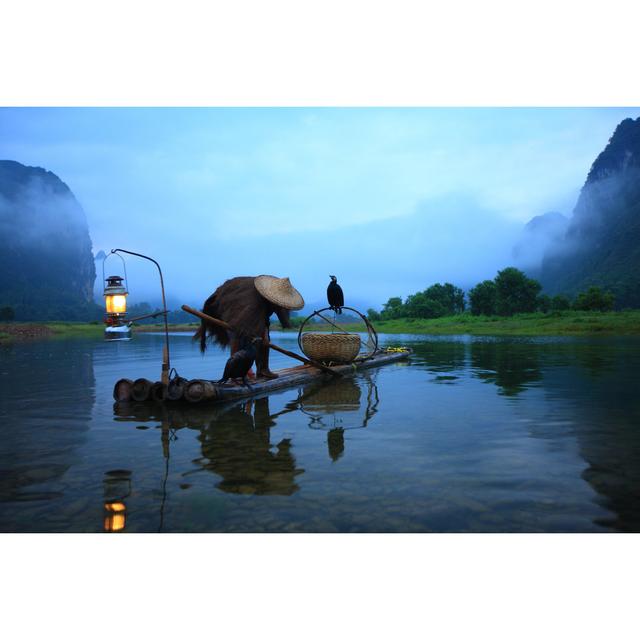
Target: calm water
{"x": 473, "y": 434}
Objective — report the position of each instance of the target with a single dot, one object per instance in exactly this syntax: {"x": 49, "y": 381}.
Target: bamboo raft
{"x": 198, "y": 390}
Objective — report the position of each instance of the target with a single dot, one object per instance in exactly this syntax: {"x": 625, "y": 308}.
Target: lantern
{"x": 115, "y": 300}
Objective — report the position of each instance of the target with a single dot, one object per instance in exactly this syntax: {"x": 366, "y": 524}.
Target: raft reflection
{"x": 235, "y": 439}
{"x": 235, "y": 442}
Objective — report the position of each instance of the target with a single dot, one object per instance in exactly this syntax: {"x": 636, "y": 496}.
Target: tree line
{"x": 510, "y": 292}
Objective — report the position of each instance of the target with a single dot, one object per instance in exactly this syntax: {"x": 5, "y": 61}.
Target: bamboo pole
{"x": 291, "y": 354}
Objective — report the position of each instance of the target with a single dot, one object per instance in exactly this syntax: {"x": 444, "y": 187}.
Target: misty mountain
{"x": 45, "y": 250}
{"x": 540, "y": 233}
{"x": 601, "y": 245}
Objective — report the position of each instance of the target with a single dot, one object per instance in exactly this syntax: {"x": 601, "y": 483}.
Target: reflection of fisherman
{"x": 238, "y": 448}
{"x": 247, "y": 303}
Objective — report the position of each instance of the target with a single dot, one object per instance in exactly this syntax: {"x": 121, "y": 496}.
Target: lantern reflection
{"x": 117, "y": 487}
{"x": 116, "y": 516}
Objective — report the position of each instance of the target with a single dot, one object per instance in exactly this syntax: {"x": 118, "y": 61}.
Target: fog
{"x": 541, "y": 235}
{"x": 389, "y": 200}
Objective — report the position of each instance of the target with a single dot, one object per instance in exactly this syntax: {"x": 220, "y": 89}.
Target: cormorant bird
{"x": 240, "y": 362}
{"x": 335, "y": 295}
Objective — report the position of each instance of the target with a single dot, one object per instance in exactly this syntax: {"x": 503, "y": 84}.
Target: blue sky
{"x": 391, "y": 200}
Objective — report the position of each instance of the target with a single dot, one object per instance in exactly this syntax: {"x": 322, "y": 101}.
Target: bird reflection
{"x": 335, "y": 442}
{"x": 335, "y": 407}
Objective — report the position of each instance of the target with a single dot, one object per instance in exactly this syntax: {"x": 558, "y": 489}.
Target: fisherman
{"x": 246, "y": 303}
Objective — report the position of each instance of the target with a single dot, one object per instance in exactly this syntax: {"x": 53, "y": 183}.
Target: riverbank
{"x": 20, "y": 331}
{"x": 555, "y": 323}
{"x": 559, "y": 323}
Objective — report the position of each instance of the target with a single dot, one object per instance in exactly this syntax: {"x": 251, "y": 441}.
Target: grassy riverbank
{"x": 559, "y": 323}
{"x": 17, "y": 331}
{"x": 191, "y": 327}
{"x": 531, "y": 324}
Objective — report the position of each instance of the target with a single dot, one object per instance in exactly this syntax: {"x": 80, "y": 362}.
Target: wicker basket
{"x": 331, "y": 347}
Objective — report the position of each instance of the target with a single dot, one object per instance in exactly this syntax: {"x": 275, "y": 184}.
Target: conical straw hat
{"x": 279, "y": 291}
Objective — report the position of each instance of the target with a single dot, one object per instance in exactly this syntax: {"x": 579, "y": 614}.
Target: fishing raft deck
{"x": 196, "y": 391}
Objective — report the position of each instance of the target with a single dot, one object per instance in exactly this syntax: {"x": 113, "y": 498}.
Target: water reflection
{"x": 238, "y": 448}
{"x": 116, "y": 488}
{"x": 512, "y": 369}
{"x": 517, "y": 435}
{"x": 235, "y": 443}
{"x": 335, "y": 407}
{"x": 40, "y": 437}
{"x": 600, "y": 394}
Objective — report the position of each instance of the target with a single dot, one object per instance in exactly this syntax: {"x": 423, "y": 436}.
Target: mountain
{"x": 45, "y": 250}
{"x": 538, "y": 234}
{"x": 602, "y": 243}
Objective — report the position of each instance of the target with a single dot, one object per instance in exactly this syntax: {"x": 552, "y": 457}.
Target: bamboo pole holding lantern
{"x": 166, "y": 365}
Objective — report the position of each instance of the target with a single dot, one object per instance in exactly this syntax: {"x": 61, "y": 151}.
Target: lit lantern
{"x": 115, "y": 299}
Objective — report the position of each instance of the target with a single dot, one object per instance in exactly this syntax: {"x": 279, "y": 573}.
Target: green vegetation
{"x": 510, "y": 304}
{"x": 13, "y": 331}
{"x": 76, "y": 329}
{"x": 159, "y": 326}
{"x": 436, "y": 301}
{"x": 604, "y": 249}
{"x": 510, "y": 293}
{"x": 594, "y": 299}
{"x": 556, "y": 323}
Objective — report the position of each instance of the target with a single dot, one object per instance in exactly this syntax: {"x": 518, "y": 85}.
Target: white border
{"x": 311, "y": 53}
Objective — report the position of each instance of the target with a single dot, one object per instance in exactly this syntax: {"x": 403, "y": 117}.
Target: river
{"x": 473, "y": 434}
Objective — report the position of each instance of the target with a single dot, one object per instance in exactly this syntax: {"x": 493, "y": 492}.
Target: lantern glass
{"x": 116, "y": 303}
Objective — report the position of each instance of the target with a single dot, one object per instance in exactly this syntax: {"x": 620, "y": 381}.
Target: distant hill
{"x": 538, "y": 234}
{"x": 601, "y": 245}
{"x": 45, "y": 250}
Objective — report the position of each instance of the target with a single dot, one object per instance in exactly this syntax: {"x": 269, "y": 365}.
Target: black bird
{"x": 240, "y": 362}
{"x": 335, "y": 295}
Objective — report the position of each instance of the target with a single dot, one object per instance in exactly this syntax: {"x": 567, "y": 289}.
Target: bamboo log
{"x": 141, "y": 389}
{"x": 175, "y": 390}
{"x": 157, "y": 392}
{"x": 291, "y": 354}
{"x": 122, "y": 390}
{"x": 199, "y": 390}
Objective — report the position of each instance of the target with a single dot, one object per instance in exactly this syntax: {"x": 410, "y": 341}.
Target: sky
{"x": 390, "y": 200}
